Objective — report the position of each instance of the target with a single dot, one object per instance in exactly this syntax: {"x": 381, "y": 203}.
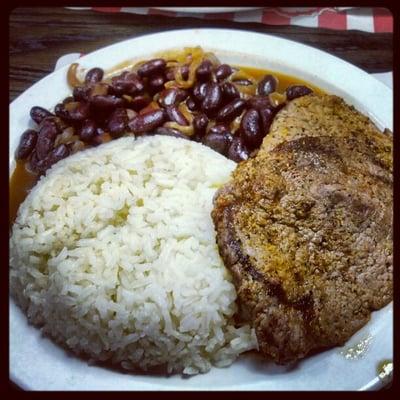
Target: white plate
{"x": 37, "y": 363}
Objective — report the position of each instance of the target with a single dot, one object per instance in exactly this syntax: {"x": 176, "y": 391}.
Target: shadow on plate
{"x": 252, "y": 360}
{"x": 256, "y": 362}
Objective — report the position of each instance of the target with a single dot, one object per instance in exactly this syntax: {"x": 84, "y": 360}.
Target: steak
{"x": 322, "y": 115}
{"x": 305, "y": 227}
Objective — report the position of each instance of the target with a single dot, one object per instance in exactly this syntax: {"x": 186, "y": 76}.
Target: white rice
{"x": 113, "y": 253}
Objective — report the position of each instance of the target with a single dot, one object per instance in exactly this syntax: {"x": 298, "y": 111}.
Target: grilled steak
{"x": 321, "y": 115}
{"x": 305, "y": 227}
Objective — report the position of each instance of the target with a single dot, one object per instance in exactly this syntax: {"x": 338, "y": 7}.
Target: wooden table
{"x": 40, "y": 35}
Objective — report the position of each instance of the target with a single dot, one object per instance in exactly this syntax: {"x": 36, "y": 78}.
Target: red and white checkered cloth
{"x": 342, "y": 18}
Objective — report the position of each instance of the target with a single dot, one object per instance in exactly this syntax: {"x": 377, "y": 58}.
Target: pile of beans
{"x": 215, "y": 110}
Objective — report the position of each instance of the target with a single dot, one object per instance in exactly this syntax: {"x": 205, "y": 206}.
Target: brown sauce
{"x": 22, "y": 181}
{"x": 284, "y": 80}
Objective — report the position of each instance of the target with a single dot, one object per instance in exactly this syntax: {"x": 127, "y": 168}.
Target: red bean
{"x": 185, "y": 72}
{"x": 172, "y": 96}
{"x": 267, "y": 85}
{"x": 162, "y": 130}
{"x": 46, "y": 138}
{"x": 147, "y": 122}
{"x": 212, "y": 99}
{"x": 100, "y": 137}
{"x": 237, "y": 150}
{"x": 218, "y": 142}
{"x": 79, "y": 111}
{"x": 259, "y": 102}
{"x": 68, "y": 99}
{"x": 49, "y": 125}
{"x": 99, "y": 131}
{"x": 219, "y": 129}
{"x": 60, "y": 124}
{"x": 199, "y": 90}
{"x": 229, "y": 91}
{"x": 34, "y": 164}
{"x": 87, "y": 131}
{"x": 58, "y": 153}
{"x": 55, "y": 155}
{"x": 223, "y": 71}
{"x": 138, "y": 102}
{"x": 156, "y": 83}
{"x": 200, "y": 122}
{"x": 174, "y": 114}
{"x": 73, "y": 112}
{"x": 170, "y": 74}
{"x": 117, "y": 122}
{"x": 127, "y": 83}
{"x": 294, "y": 91}
{"x": 152, "y": 67}
{"x": 94, "y": 75}
{"x": 251, "y": 128}
{"x": 243, "y": 82}
{"x": 267, "y": 116}
{"x": 133, "y": 84}
{"x": 26, "y": 144}
{"x": 203, "y": 72}
{"x": 191, "y": 104}
{"x": 60, "y": 111}
{"x": 82, "y": 93}
{"x": 38, "y": 114}
{"x": 108, "y": 102}
{"x": 230, "y": 111}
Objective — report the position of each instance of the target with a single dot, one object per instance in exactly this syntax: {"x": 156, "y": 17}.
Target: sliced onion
{"x": 136, "y": 66}
{"x": 240, "y": 74}
{"x": 210, "y": 124}
{"x": 130, "y": 113}
{"x": 100, "y": 89}
{"x": 246, "y": 91}
{"x": 67, "y": 136}
{"x": 180, "y": 82}
{"x": 150, "y": 107}
{"x": 76, "y": 146}
{"x": 277, "y": 98}
{"x": 186, "y": 130}
{"x": 235, "y": 124}
{"x": 186, "y": 112}
{"x": 213, "y": 58}
{"x": 72, "y": 78}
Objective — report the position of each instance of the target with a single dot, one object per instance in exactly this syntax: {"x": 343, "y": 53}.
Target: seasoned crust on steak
{"x": 321, "y": 115}
{"x": 305, "y": 227}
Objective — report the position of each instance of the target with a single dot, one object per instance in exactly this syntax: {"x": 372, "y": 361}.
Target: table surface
{"x": 40, "y": 35}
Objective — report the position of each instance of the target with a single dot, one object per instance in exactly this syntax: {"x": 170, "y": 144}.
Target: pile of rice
{"x": 113, "y": 253}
